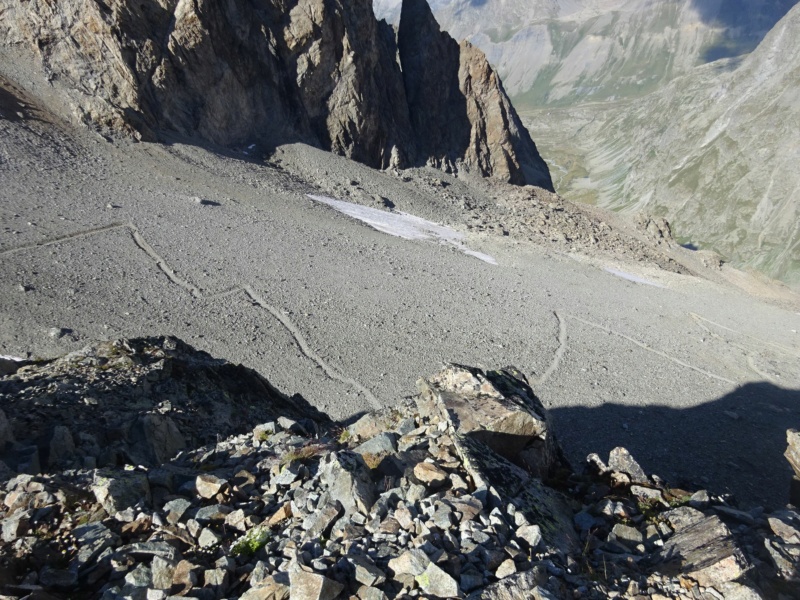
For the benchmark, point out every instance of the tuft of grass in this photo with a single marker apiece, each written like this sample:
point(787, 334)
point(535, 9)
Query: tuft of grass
point(303, 454)
point(345, 436)
point(252, 541)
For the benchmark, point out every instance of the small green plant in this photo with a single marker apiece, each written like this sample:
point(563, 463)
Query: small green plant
point(252, 541)
point(345, 436)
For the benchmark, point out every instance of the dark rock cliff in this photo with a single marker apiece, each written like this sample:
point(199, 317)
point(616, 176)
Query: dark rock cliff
point(236, 72)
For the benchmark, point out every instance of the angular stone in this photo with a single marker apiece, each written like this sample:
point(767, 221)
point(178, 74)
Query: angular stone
point(648, 493)
point(215, 513)
point(436, 582)
point(288, 474)
point(532, 534)
point(786, 525)
point(704, 551)
point(58, 579)
point(208, 486)
point(365, 571)
point(280, 515)
point(319, 522)
point(619, 459)
point(682, 517)
point(630, 536)
point(184, 578)
point(118, 490)
point(411, 562)
point(430, 474)
point(488, 469)
point(520, 586)
point(270, 589)
point(155, 438)
point(208, 538)
point(91, 539)
point(793, 450)
point(62, 447)
point(175, 509)
point(15, 525)
point(347, 480)
point(163, 571)
point(506, 568)
point(304, 584)
point(379, 446)
point(236, 520)
point(785, 557)
point(139, 577)
point(216, 580)
point(497, 408)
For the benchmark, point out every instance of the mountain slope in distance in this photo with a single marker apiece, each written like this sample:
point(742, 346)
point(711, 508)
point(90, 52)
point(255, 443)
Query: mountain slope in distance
point(715, 152)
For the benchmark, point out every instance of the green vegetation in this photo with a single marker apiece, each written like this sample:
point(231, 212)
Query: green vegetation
point(252, 541)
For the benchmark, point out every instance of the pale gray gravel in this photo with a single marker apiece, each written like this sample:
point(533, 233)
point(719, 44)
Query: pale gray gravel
point(108, 239)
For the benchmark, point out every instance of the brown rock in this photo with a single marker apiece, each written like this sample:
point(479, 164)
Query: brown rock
point(705, 552)
point(497, 408)
point(430, 473)
point(324, 72)
point(304, 584)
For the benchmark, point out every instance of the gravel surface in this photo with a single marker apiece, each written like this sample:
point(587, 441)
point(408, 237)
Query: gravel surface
point(103, 239)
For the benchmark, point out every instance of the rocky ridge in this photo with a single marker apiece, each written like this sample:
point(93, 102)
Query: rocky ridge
point(462, 492)
point(244, 73)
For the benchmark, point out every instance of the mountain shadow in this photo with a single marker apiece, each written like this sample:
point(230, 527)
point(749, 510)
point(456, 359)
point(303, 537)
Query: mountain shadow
point(734, 444)
point(744, 23)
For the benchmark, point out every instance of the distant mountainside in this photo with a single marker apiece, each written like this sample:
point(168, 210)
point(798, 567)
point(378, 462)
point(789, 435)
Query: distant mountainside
point(717, 152)
point(562, 52)
point(656, 107)
point(242, 72)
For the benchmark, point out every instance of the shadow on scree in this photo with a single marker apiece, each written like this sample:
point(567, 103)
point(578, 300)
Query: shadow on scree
point(734, 444)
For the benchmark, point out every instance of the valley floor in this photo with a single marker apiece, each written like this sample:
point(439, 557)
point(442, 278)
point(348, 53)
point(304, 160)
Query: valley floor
point(105, 239)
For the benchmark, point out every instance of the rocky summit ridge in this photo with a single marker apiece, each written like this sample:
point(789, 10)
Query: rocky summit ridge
point(268, 72)
point(460, 492)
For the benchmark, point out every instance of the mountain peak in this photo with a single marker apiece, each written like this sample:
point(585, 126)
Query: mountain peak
point(314, 71)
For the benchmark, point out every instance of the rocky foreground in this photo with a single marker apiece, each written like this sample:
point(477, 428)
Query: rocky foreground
point(461, 493)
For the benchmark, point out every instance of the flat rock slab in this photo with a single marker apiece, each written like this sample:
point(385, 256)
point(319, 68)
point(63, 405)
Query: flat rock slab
point(704, 551)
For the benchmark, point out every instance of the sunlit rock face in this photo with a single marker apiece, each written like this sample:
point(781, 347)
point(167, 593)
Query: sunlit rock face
point(274, 71)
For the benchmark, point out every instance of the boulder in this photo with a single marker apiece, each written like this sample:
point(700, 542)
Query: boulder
point(305, 584)
point(348, 481)
point(497, 408)
point(704, 551)
point(118, 490)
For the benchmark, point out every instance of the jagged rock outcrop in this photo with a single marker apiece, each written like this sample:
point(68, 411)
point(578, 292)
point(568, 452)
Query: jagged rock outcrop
point(403, 503)
point(324, 72)
point(137, 401)
point(459, 110)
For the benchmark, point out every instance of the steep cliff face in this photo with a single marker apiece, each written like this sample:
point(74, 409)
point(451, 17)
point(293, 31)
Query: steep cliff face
point(457, 105)
point(235, 72)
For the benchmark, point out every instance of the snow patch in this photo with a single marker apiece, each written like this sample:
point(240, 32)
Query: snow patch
point(631, 277)
point(403, 225)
